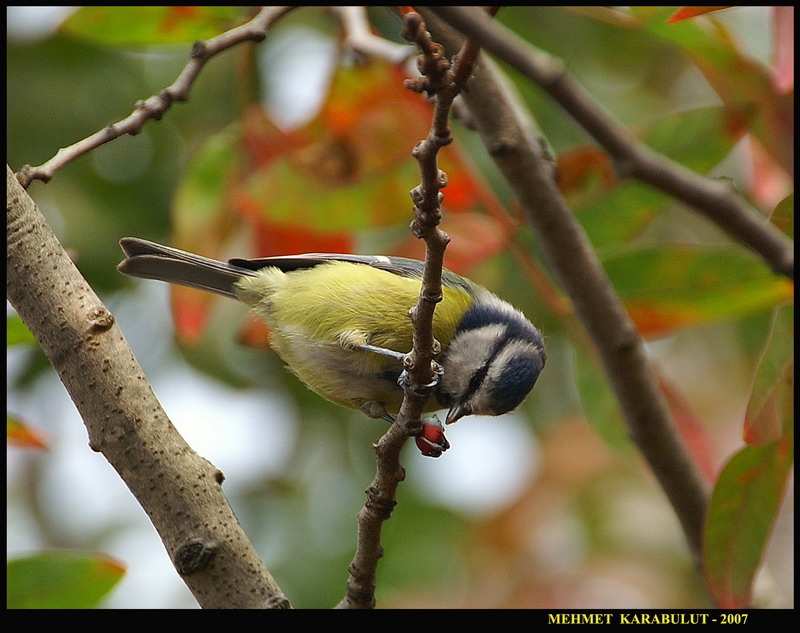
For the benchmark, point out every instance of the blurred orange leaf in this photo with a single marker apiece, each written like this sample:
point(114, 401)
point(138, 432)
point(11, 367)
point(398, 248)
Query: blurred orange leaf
point(351, 167)
point(684, 13)
point(21, 434)
point(579, 168)
point(475, 237)
point(667, 288)
point(347, 169)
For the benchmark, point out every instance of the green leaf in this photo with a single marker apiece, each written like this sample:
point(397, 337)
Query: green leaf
point(619, 214)
point(17, 333)
point(697, 139)
point(745, 86)
point(61, 580)
point(141, 26)
point(783, 215)
point(743, 507)
point(666, 288)
point(201, 202)
point(771, 407)
point(600, 405)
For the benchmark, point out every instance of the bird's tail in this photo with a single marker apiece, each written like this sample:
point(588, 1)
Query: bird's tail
point(154, 261)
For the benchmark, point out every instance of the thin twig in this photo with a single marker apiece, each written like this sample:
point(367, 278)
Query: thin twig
point(156, 105)
point(443, 84)
point(358, 37)
point(633, 158)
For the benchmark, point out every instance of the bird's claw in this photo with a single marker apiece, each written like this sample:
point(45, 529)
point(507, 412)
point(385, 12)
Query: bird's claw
point(404, 381)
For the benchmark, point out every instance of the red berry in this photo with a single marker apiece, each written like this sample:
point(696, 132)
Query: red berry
point(431, 441)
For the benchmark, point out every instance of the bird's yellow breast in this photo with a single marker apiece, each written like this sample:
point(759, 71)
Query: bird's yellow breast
point(309, 311)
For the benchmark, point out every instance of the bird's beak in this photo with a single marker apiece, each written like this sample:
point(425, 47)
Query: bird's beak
point(456, 412)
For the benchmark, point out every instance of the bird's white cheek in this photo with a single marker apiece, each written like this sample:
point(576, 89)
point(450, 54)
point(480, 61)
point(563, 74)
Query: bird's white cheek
point(467, 354)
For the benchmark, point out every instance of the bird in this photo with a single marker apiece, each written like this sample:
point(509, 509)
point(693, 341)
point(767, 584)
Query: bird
point(340, 323)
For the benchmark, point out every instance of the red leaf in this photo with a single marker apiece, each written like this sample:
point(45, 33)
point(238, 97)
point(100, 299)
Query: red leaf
point(475, 237)
point(684, 13)
point(190, 312)
point(578, 167)
point(277, 239)
point(690, 429)
point(784, 49)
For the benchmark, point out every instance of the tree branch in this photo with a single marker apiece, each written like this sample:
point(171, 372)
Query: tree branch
point(633, 158)
point(520, 159)
point(359, 38)
point(155, 106)
point(178, 489)
point(443, 84)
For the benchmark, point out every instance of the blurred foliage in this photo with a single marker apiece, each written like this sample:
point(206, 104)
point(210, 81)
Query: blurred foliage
point(60, 580)
point(219, 175)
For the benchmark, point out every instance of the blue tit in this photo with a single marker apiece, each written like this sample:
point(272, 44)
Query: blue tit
point(340, 322)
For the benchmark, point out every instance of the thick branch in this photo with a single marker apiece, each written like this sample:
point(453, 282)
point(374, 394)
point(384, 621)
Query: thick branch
point(179, 489)
point(519, 157)
point(633, 158)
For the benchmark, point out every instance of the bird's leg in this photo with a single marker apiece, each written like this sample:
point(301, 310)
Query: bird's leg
point(430, 440)
point(382, 351)
point(357, 340)
point(404, 380)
